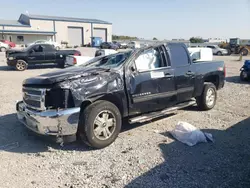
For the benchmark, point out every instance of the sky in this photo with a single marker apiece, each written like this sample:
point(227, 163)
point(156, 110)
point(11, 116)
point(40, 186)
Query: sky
point(163, 19)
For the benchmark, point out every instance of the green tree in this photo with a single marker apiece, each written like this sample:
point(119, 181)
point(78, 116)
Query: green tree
point(155, 38)
point(196, 40)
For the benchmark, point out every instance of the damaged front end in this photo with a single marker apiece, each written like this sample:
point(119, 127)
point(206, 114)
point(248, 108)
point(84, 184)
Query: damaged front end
point(52, 107)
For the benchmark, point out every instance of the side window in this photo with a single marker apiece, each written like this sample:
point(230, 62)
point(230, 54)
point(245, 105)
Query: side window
point(212, 47)
point(149, 60)
point(38, 48)
point(20, 38)
point(48, 47)
point(179, 55)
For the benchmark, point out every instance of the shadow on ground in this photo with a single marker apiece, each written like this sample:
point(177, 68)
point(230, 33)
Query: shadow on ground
point(225, 163)
point(15, 137)
point(236, 80)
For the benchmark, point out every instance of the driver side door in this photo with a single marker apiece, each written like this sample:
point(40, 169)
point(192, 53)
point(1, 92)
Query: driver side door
point(36, 55)
point(150, 85)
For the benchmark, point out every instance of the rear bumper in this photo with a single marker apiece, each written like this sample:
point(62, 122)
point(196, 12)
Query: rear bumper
point(50, 122)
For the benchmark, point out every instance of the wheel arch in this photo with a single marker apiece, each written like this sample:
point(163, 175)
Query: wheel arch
point(108, 97)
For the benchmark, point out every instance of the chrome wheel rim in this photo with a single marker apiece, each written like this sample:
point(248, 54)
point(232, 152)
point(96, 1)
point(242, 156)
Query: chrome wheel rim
point(104, 125)
point(20, 65)
point(210, 98)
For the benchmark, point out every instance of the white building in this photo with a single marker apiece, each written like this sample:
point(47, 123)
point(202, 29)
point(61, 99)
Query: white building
point(75, 31)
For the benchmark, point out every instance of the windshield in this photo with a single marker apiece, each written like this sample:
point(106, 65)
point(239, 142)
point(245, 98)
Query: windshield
point(110, 61)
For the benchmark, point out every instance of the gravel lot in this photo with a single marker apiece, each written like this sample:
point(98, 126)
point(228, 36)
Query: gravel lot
point(144, 155)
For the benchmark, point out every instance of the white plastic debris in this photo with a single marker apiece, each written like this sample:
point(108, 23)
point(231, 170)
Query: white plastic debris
point(190, 135)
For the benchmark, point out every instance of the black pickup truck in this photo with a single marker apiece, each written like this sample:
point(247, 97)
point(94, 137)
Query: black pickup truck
point(37, 54)
point(88, 102)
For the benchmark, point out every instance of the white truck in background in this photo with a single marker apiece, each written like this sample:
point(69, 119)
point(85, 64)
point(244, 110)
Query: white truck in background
point(72, 60)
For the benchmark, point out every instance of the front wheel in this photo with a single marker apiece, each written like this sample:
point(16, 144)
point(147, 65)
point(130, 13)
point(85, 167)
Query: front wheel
point(243, 76)
point(207, 100)
point(100, 124)
point(21, 65)
point(219, 53)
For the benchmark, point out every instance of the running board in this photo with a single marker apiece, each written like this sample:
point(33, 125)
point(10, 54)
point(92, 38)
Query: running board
point(153, 115)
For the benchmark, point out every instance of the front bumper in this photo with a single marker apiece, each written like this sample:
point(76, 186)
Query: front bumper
point(11, 62)
point(51, 122)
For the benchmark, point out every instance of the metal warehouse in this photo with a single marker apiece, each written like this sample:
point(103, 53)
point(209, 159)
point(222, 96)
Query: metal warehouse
point(74, 31)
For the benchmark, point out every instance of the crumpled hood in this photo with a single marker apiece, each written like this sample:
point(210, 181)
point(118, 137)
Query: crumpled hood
point(62, 75)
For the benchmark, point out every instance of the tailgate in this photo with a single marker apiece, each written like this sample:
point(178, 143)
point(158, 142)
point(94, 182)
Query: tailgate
point(69, 60)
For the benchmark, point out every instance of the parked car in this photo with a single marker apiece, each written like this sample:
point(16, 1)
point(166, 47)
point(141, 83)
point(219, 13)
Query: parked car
point(108, 45)
point(11, 44)
point(57, 46)
point(72, 60)
point(124, 45)
point(117, 44)
point(90, 101)
point(4, 47)
point(37, 54)
point(245, 71)
point(215, 48)
point(133, 44)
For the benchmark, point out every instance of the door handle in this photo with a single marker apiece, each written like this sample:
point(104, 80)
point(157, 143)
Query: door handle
point(190, 73)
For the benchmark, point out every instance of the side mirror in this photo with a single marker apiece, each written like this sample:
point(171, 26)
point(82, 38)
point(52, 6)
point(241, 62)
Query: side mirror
point(32, 51)
point(194, 59)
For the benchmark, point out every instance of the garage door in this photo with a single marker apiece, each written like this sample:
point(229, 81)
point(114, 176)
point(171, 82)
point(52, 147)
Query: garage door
point(75, 36)
point(98, 32)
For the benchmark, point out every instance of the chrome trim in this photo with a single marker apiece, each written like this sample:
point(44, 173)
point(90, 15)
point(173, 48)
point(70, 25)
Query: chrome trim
point(33, 97)
point(62, 122)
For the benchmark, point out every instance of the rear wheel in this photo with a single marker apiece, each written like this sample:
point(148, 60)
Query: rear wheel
point(207, 100)
point(100, 124)
point(61, 64)
point(21, 65)
point(244, 52)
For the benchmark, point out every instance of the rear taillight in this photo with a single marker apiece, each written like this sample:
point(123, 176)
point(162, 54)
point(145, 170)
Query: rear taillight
point(77, 54)
point(74, 61)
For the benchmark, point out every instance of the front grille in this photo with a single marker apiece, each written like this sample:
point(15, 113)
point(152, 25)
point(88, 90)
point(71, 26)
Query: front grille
point(34, 98)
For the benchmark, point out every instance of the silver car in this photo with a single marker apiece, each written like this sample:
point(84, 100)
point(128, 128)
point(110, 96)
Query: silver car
point(217, 50)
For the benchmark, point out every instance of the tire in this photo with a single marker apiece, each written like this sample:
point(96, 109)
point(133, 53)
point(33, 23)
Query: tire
point(244, 51)
point(229, 52)
point(219, 53)
point(3, 49)
point(203, 101)
point(88, 123)
point(21, 65)
point(243, 76)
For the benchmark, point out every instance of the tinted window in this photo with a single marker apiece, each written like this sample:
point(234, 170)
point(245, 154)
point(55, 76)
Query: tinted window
point(149, 60)
point(211, 47)
point(48, 47)
point(179, 55)
point(38, 48)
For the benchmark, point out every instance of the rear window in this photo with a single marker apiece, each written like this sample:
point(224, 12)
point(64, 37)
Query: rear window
point(179, 55)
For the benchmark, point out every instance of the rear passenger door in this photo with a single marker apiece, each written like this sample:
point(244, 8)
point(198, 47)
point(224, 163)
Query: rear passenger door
point(184, 74)
point(150, 84)
point(50, 53)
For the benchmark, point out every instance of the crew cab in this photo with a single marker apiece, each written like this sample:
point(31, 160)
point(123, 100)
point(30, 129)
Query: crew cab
point(89, 102)
point(37, 54)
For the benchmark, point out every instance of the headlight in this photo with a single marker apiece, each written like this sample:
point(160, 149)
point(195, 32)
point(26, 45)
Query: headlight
point(11, 58)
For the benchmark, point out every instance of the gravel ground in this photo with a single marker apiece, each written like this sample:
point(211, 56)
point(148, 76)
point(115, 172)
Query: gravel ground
point(144, 155)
